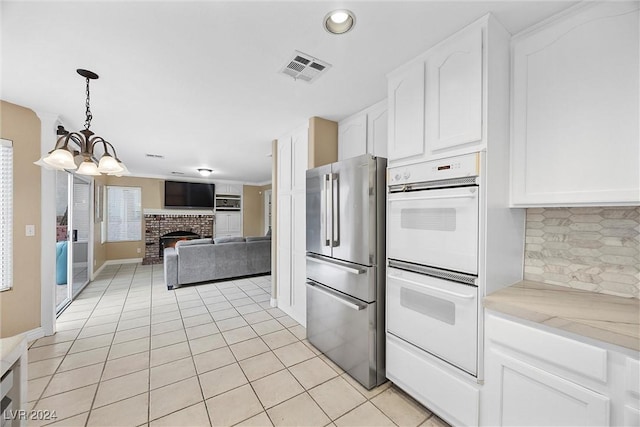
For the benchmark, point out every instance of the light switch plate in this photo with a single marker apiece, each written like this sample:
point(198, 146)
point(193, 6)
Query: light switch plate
point(30, 230)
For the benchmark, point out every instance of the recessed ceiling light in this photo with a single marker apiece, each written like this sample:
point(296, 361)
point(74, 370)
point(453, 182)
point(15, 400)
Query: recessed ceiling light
point(339, 21)
point(205, 172)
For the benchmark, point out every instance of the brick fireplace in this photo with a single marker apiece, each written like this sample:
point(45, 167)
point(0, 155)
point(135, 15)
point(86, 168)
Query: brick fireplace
point(162, 224)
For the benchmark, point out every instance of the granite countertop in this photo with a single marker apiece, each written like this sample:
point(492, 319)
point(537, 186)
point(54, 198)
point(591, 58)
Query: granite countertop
point(611, 319)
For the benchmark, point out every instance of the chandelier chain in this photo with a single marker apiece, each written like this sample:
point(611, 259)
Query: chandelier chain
point(87, 122)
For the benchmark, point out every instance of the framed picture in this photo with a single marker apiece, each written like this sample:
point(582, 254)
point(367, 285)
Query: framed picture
point(98, 202)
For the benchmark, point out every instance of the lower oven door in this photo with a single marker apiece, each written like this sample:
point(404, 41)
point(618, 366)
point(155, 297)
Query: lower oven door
point(436, 315)
point(343, 328)
point(438, 228)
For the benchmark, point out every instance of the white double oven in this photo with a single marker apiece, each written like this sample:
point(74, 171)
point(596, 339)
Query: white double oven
point(433, 237)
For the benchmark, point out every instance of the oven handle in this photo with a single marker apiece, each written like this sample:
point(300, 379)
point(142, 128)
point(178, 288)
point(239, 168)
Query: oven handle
point(453, 196)
point(422, 285)
point(335, 297)
point(334, 265)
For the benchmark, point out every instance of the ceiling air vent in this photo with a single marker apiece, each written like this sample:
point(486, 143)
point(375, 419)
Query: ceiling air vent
point(305, 67)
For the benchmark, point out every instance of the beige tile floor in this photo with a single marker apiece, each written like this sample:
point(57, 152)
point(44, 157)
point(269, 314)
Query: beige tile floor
point(128, 352)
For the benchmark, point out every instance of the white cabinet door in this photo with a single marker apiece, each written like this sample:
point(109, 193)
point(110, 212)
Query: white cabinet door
point(222, 224)
point(378, 130)
point(299, 265)
point(406, 113)
point(453, 114)
point(526, 395)
point(232, 189)
point(576, 98)
point(300, 159)
point(235, 223)
point(284, 164)
point(352, 137)
point(283, 263)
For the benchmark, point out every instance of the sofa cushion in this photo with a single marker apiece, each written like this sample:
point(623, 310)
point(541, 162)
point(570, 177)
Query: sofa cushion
point(193, 242)
point(258, 238)
point(219, 240)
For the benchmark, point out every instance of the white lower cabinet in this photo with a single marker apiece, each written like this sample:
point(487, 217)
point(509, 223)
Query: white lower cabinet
point(452, 398)
point(228, 224)
point(536, 377)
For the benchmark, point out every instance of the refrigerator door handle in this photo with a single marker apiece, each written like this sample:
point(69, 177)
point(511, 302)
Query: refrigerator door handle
point(351, 270)
point(328, 209)
point(323, 210)
point(335, 210)
point(335, 297)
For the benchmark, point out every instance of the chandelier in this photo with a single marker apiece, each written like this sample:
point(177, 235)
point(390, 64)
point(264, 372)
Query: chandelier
point(65, 155)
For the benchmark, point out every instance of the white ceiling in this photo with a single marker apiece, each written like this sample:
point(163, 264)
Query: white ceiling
point(198, 82)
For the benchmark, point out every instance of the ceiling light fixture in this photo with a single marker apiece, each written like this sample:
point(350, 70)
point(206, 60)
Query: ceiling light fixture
point(205, 172)
point(339, 21)
point(62, 155)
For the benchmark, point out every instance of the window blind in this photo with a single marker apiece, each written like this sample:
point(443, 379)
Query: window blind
point(6, 214)
point(124, 214)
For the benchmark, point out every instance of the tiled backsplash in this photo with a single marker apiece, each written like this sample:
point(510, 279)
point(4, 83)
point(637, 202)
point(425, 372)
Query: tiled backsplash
point(596, 249)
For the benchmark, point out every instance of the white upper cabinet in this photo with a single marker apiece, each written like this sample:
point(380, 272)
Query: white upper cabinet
point(378, 129)
point(352, 136)
point(229, 189)
point(449, 99)
point(364, 132)
point(576, 97)
point(406, 113)
point(453, 114)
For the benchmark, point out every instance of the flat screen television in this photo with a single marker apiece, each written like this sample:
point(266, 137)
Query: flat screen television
point(189, 195)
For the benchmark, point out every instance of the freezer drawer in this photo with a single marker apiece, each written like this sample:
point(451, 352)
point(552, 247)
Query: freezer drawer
point(436, 315)
point(344, 329)
point(352, 279)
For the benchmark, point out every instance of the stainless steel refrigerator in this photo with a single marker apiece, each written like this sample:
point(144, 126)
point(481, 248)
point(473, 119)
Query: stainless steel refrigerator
point(346, 265)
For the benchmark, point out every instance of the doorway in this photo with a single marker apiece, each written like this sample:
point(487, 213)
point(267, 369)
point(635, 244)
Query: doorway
point(73, 219)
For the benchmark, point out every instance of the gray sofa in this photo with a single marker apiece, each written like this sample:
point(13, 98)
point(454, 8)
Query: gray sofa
point(204, 260)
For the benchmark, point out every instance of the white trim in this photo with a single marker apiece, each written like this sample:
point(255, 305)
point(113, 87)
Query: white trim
point(34, 334)
point(273, 302)
point(48, 124)
point(176, 212)
point(122, 261)
point(98, 271)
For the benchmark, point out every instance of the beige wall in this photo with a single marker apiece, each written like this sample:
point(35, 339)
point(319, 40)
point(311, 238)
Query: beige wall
point(20, 306)
point(253, 210)
point(323, 142)
point(152, 198)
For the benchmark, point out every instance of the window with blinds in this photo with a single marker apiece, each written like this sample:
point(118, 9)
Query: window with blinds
point(124, 214)
point(6, 214)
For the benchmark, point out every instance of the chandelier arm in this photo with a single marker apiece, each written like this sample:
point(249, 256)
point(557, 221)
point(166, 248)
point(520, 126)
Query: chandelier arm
point(77, 138)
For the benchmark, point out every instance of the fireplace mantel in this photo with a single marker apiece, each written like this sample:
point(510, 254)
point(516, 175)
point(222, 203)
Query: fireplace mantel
point(178, 212)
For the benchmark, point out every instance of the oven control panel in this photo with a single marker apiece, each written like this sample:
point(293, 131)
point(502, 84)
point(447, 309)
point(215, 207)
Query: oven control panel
point(451, 167)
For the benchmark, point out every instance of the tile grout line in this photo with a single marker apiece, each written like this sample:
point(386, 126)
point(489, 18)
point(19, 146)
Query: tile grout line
point(37, 401)
point(93, 401)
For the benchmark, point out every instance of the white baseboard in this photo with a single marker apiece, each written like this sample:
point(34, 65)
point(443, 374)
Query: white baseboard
point(123, 261)
point(95, 273)
point(273, 302)
point(34, 334)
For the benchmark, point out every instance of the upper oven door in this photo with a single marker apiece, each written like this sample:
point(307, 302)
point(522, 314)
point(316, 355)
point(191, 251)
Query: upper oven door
point(438, 228)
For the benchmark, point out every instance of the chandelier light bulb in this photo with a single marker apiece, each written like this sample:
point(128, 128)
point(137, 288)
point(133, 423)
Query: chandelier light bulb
point(60, 159)
point(88, 168)
point(108, 164)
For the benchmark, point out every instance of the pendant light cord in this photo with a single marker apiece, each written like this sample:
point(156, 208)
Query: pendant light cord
point(87, 121)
